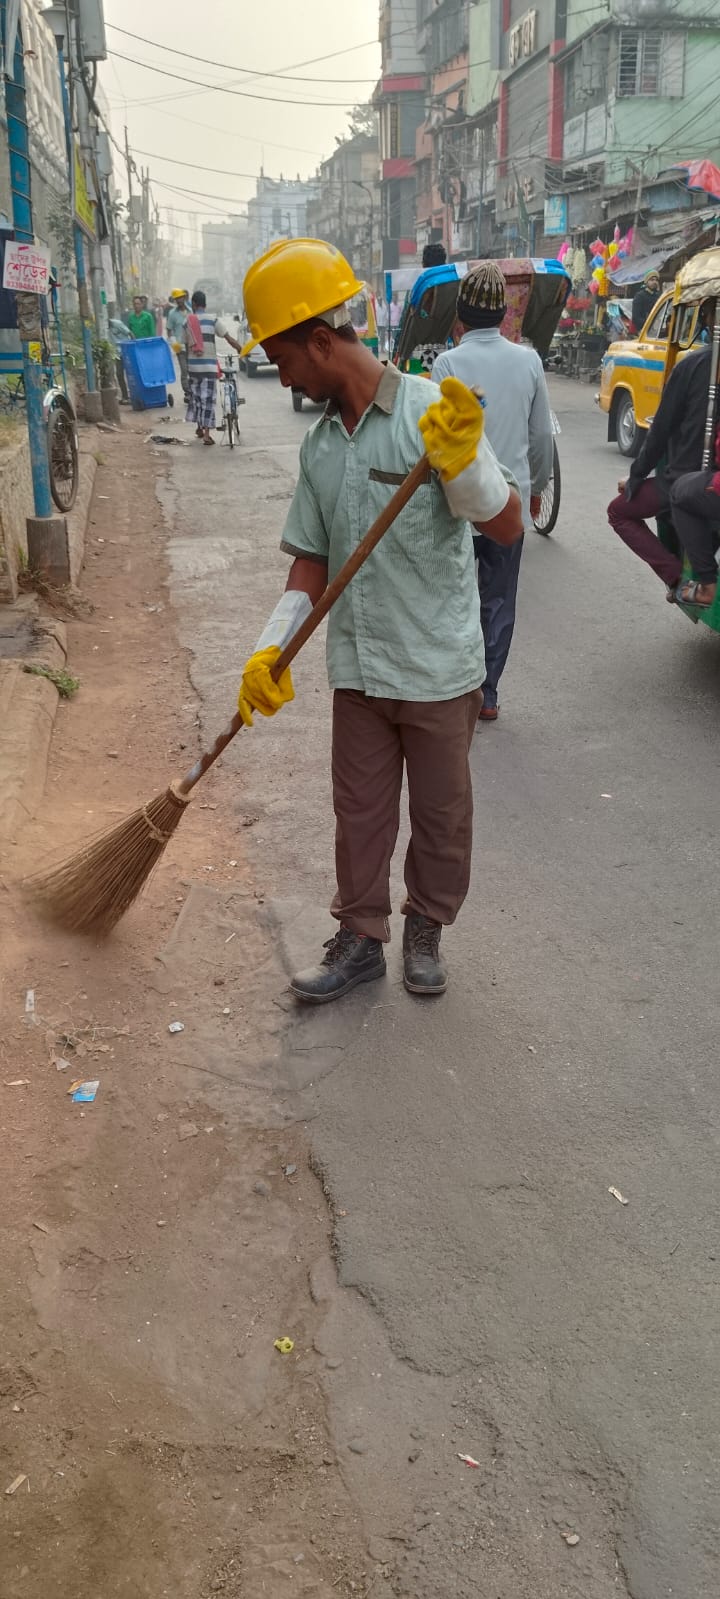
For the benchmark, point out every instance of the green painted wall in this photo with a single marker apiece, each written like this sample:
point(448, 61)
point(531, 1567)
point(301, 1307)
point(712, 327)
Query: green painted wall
point(482, 78)
point(683, 128)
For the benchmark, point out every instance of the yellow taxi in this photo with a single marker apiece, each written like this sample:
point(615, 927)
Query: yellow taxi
point(631, 378)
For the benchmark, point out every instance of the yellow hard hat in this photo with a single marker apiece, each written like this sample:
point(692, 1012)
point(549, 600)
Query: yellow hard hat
point(178, 294)
point(294, 280)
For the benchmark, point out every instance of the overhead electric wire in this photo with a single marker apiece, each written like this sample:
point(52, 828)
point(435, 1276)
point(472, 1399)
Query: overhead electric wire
point(245, 138)
point(227, 66)
point(238, 94)
point(222, 172)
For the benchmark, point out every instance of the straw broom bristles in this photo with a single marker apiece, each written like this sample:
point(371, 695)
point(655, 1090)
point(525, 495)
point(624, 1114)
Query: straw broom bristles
point(91, 891)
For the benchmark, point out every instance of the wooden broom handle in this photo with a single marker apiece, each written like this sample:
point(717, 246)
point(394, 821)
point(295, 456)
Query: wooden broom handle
point(419, 474)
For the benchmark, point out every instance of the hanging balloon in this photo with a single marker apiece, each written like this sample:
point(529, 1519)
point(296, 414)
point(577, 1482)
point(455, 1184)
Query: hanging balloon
point(597, 247)
point(616, 234)
point(593, 287)
point(613, 249)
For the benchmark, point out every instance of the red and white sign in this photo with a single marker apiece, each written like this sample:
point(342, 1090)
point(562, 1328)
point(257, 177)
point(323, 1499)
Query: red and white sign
point(27, 268)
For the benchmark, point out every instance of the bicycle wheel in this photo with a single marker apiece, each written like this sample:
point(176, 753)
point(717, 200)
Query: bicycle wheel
point(62, 459)
point(547, 516)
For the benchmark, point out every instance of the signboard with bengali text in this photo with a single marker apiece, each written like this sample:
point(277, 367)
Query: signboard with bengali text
point(27, 268)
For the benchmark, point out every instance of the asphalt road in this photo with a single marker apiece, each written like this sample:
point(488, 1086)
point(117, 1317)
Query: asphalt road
point(565, 1340)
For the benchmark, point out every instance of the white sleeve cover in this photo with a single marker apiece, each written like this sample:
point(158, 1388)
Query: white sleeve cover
point(289, 614)
point(481, 492)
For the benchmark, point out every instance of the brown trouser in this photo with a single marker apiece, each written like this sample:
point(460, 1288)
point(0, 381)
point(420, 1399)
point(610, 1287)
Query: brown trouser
point(372, 739)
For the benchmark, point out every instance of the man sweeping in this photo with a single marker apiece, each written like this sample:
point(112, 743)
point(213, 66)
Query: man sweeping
point(404, 644)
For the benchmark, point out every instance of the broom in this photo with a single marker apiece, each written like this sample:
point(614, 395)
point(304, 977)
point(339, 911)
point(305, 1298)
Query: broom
point(95, 887)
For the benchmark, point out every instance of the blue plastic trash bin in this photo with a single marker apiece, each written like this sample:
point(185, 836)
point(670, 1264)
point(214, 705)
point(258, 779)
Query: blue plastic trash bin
point(148, 365)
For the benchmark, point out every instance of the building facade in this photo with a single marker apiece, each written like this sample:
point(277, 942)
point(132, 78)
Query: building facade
point(543, 121)
point(278, 210)
point(46, 129)
point(225, 257)
point(400, 102)
point(441, 144)
point(346, 210)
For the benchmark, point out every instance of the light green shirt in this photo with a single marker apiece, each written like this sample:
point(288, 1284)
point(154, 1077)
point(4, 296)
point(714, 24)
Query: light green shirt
point(408, 625)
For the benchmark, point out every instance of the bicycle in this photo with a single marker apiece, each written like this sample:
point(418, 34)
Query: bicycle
point(59, 417)
point(58, 413)
point(230, 402)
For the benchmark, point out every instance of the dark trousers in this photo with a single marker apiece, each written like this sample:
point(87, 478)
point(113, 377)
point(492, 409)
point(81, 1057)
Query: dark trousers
point(373, 740)
point(627, 518)
point(181, 356)
point(498, 573)
point(695, 510)
point(121, 380)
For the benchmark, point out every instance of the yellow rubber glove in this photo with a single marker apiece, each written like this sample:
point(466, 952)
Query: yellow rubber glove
point(259, 691)
point(452, 428)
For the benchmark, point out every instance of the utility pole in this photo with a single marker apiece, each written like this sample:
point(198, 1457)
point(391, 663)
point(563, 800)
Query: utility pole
point(28, 305)
point(87, 145)
point(57, 17)
point(638, 197)
point(131, 227)
point(145, 230)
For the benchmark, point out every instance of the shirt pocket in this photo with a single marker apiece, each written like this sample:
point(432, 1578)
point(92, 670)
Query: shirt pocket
point(414, 532)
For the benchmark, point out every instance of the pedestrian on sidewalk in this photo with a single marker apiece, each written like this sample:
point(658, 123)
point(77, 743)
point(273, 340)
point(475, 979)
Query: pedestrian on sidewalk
point(201, 331)
point(141, 322)
point(673, 447)
point(645, 299)
point(519, 428)
point(404, 644)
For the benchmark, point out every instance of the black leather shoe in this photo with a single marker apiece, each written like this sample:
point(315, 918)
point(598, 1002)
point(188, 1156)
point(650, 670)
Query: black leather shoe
point(350, 960)
point(423, 970)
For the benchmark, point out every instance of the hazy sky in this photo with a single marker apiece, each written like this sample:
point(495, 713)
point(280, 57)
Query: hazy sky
point(166, 117)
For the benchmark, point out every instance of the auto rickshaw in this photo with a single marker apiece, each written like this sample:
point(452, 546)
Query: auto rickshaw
point(364, 320)
point(697, 282)
point(536, 293)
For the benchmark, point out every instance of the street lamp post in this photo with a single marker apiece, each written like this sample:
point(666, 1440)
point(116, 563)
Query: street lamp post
point(369, 193)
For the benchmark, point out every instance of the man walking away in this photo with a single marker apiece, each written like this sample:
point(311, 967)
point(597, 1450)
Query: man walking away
point(519, 428)
point(404, 646)
point(645, 299)
point(141, 322)
point(673, 447)
point(202, 329)
point(176, 325)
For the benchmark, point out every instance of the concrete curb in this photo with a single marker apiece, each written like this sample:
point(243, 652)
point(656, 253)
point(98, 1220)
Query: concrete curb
point(28, 704)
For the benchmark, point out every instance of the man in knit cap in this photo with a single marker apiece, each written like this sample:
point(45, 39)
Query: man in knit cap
point(519, 428)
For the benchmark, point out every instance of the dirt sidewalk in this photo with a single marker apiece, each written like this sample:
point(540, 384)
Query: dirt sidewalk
point(157, 1241)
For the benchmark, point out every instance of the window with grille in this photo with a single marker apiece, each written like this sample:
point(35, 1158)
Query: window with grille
point(650, 63)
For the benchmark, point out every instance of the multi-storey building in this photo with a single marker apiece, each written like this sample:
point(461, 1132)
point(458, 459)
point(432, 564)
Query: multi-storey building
point(46, 128)
point(278, 210)
point(346, 211)
point(225, 257)
point(400, 102)
point(542, 120)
